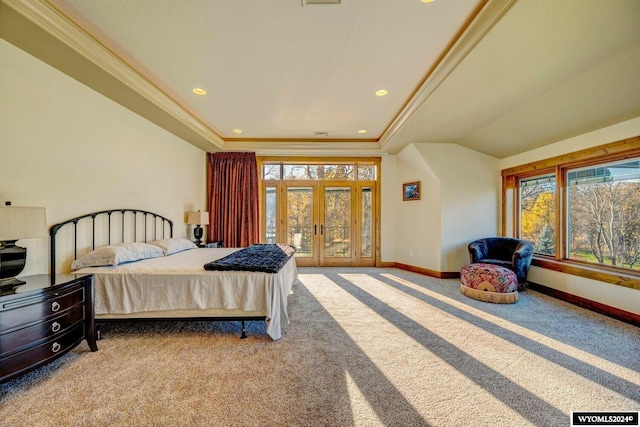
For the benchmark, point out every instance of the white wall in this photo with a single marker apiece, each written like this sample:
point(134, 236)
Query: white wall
point(460, 202)
point(624, 130)
point(470, 198)
point(387, 209)
point(616, 296)
point(73, 151)
point(417, 237)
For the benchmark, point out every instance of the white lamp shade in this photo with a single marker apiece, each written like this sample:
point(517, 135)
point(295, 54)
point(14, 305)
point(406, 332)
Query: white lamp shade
point(198, 218)
point(22, 223)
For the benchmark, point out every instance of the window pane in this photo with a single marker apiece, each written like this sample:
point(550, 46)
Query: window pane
point(337, 230)
point(271, 171)
point(604, 214)
point(300, 172)
point(270, 215)
point(367, 222)
point(537, 212)
point(343, 172)
point(367, 172)
point(300, 220)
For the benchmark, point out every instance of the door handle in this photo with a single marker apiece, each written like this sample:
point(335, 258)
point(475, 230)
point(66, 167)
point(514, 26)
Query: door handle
point(315, 229)
point(322, 229)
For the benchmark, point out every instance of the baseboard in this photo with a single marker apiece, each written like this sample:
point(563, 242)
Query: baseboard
point(426, 271)
point(607, 310)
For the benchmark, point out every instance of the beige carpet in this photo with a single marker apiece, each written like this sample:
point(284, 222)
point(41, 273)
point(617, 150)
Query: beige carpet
point(365, 347)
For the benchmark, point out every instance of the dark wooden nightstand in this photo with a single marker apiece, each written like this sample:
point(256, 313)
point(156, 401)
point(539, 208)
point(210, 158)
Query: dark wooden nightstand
point(44, 319)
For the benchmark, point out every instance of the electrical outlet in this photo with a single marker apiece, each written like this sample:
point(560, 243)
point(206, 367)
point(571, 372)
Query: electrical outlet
point(410, 253)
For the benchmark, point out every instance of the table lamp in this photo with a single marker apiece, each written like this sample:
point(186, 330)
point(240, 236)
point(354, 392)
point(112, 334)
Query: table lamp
point(17, 223)
point(197, 219)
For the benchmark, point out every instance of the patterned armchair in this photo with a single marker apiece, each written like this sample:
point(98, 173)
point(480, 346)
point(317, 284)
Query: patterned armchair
point(514, 254)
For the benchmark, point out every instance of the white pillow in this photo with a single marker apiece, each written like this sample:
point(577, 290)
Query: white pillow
point(117, 254)
point(174, 244)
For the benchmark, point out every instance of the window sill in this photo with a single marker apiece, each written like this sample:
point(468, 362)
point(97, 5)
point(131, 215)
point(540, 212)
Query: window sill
point(602, 274)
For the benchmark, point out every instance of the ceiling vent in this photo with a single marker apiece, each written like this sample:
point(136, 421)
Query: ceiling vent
point(312, 2)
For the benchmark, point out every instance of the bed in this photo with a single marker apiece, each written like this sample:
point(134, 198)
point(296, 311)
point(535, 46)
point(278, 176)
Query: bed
point(168, 280)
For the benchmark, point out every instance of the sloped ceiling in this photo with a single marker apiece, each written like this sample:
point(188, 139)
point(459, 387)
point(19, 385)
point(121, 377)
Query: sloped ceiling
point(498, 76)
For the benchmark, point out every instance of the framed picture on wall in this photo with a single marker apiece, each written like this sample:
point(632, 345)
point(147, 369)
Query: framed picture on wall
point(411, 191)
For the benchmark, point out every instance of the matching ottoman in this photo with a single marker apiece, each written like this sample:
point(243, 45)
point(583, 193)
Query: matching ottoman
point(488, 282)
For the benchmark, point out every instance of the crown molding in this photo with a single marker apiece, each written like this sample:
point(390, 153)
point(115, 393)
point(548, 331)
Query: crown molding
point(59, 26)
point(476, 28)
point(306, 147)
point(299, 140)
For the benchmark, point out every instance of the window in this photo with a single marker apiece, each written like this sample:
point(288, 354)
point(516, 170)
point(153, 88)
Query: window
point(305, 171)
point(604, 214)
point(367, 172)
point(341, 172)
point(319, 172)
point(270, 214)
point(581, 211)
point(271, 171)
point(538, 212)
point(325, 207)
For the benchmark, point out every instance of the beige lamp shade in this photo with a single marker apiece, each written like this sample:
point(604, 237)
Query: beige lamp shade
point(22, 223)
point(198, 218)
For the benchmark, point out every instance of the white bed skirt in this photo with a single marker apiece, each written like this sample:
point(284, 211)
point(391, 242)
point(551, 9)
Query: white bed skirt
point(178, 286)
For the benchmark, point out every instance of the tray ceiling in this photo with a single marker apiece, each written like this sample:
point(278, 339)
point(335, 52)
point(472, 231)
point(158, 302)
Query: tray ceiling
point(499, 76)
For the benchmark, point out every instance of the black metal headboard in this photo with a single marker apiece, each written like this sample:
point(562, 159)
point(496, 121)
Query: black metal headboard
point(127, 221)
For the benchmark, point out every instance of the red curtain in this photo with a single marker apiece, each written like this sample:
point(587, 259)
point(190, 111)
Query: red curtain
point(233, 199)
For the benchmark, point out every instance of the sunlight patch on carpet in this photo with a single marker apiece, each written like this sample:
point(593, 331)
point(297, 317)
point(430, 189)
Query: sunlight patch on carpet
point(382, 340)
point(363, 413)
point(490, 352)
point(615, 369)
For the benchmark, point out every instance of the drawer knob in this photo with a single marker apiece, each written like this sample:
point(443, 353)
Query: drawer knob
point(56, 347)
point(55, 326)
point(55, 306)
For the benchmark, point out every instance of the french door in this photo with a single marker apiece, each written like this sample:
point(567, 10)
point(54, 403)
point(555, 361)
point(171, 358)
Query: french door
point(328, 223)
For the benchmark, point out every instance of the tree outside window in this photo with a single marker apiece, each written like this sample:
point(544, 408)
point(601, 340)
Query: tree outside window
point(604, 214)
point(581, 210)
point(538, 213)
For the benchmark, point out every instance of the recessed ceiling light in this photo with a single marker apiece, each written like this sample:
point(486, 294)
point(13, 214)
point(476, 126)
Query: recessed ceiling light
point(237, 131)
point(362, 131)
point(199, 91)
point(426, 1)
point(310, 2)
point(381, 92)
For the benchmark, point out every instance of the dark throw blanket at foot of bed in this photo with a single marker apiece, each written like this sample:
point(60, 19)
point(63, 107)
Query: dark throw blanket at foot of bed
point(266, 258)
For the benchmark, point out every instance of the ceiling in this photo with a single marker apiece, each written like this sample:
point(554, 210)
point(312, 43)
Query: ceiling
point(497, 76)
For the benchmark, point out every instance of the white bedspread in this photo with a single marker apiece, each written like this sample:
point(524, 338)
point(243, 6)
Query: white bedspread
point(179, 282)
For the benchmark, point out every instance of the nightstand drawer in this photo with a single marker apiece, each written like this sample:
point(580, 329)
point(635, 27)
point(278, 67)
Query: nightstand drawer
point(41, 354)
point(18, 338)
point(23, 312)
